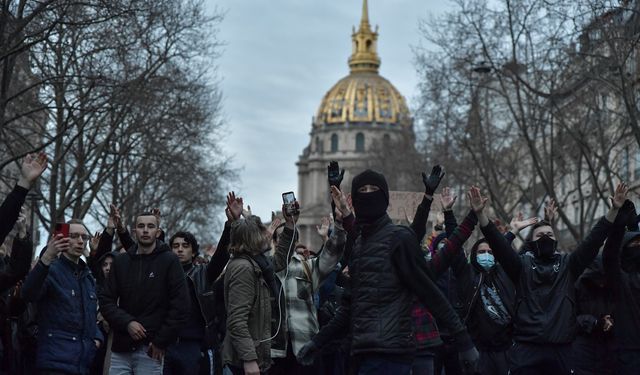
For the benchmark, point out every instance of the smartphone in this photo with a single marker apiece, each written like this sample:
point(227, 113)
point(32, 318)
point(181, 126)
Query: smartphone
point(62, 228)
point(289, 200)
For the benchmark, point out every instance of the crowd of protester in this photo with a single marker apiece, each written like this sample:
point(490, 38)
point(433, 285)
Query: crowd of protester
point(376, 298)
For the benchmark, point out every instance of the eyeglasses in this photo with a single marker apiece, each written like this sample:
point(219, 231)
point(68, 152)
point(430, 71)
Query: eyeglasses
point(75, 236)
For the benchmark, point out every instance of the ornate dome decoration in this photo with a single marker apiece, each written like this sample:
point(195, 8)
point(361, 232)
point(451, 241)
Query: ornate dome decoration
point(363, 95)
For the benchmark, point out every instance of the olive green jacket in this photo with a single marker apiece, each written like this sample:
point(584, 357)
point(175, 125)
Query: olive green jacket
point(247, 300)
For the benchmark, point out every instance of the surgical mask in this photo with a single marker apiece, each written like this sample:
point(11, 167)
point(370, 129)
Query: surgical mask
point(486, 260)
point(544, 247)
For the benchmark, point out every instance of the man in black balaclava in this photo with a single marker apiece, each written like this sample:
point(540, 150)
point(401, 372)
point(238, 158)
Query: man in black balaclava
point(387, 269)
point(621, 259)
point(545, 317)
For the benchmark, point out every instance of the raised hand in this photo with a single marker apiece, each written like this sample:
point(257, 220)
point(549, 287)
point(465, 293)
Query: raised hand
point(32, 167)
point(275, 223)
point(247, 213)
point(21, 223)
point(235, 205)
point(447, 199)
point(620, 195)
point(335, 179)
point(341, 203)
point(323, 228)
point(550, 210)
point(432, 181)
point(93, 243)
point(476, 200)
point(518, 222)
point(56, 245)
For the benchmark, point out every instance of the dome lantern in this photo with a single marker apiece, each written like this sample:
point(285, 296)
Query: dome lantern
point(364, 56)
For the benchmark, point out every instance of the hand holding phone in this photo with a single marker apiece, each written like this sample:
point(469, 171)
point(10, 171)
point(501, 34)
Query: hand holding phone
point(291, 206)
point(63, 229)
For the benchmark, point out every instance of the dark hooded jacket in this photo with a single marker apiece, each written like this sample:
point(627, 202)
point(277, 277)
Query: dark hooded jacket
point(594, 300)
point(545, 310)
point(488, 297)
point(622, 268)
point(149, 289)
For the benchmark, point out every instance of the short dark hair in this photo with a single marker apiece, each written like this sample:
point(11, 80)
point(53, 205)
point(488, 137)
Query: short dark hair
point(539, 224)
point(188, 238)
point(146, 213)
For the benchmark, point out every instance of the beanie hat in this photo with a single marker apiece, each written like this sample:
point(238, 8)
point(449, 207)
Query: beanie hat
point(370, 177)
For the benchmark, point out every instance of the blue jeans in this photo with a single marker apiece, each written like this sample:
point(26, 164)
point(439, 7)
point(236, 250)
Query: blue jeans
point(375, 366)
point(135, 363)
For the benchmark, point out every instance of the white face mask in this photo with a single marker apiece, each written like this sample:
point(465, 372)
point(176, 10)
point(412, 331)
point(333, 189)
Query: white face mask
point(486, 260)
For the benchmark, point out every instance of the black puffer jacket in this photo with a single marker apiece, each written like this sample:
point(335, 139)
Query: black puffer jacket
point(473, 283)
point(147, 288)
point(380, 303)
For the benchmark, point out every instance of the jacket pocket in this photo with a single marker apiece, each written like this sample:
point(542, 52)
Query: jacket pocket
point(62, 348)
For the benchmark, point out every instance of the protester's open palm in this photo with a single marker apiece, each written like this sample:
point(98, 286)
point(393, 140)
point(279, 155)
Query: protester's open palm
point(620, 195)
point(476, 200)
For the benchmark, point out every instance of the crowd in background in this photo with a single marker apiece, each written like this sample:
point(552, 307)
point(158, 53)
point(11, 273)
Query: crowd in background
point(375, 298)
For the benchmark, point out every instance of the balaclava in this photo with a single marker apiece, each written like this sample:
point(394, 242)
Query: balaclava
point(369, 206)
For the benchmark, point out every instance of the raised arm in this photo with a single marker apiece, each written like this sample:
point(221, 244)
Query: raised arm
point(517, 224)
point(431, 182)
point(334, 247)
point(587, 250)
point(35, 285)
point(502, 251)
point(32, 167)
point(452, 249)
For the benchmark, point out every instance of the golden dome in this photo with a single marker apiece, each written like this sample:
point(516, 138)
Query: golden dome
point(363, 95)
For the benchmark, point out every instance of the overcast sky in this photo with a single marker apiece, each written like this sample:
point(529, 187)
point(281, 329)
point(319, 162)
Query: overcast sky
point(280, 58)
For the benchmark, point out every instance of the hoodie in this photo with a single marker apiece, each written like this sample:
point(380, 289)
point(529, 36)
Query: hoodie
point(488, 297)
point(623, 274)
point(149, 289)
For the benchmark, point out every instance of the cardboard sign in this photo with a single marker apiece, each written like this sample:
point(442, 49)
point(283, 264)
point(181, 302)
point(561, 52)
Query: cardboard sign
point(403, 204)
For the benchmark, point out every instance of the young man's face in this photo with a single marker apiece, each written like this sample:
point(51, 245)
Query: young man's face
point(182, 249)
point(147, 230)
point(542, 231)
point(106, 266)
point(78, 238)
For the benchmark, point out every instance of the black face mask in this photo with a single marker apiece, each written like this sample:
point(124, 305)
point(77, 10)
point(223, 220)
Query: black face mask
point(544, 247)
point(370, 206)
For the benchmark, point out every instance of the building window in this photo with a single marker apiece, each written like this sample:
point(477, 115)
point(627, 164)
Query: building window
point(334, 143)
point(318, 144)
point(359, 142)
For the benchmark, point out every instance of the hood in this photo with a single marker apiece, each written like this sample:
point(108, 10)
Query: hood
point(104, 256)
point(434, 243)
point(594, 274)
point(473, 256)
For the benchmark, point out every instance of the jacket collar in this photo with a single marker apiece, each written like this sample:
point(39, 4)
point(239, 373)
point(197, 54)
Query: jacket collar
point(370, 228)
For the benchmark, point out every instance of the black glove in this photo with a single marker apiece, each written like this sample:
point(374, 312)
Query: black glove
point(307, 354)
point(469, 360)
point(335, 174)
point(432, 181)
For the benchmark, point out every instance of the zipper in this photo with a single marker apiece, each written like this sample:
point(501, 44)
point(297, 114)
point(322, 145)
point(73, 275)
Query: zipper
point(473, 298)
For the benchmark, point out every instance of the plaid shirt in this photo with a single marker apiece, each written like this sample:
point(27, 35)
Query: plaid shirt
point(299, 322)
